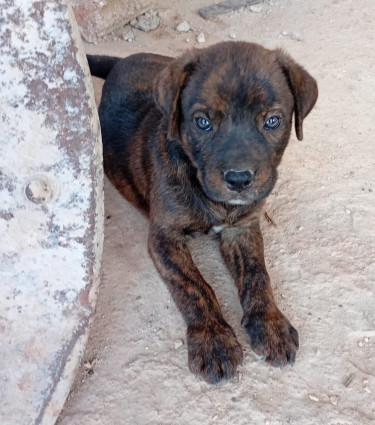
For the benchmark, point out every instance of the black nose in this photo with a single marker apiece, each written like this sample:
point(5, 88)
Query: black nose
point(238, 180)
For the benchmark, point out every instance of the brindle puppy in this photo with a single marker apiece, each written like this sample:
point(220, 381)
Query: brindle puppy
point(194, 142)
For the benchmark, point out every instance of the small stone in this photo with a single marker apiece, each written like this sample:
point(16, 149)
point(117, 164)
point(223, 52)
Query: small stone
point(284, 33)
point(367, 389)
point(146, 22)
point(297, 36)
point(129, 36)
point(178, 343)
point(201, 38)
point(334, 399)
point(256, 8)
point(88, 365)
point(360, 344)
point(313, 397)
point(183, 27)
point(318, 352)
point(367, 339)
point(233, 36)
point(348, 212)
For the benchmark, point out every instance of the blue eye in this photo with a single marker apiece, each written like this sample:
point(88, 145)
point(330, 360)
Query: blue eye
point(203, 124)
point(272, 123)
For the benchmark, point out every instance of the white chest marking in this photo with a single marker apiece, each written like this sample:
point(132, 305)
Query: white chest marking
point(218, 229)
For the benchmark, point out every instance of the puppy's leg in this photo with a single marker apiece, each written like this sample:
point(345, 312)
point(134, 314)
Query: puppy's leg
point(213, 349)
point(271, 334)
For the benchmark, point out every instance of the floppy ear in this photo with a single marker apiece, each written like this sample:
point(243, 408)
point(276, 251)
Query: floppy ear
point(303, 86)
point(168, 86)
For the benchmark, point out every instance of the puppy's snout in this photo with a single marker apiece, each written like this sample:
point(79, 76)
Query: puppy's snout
point(238, 180)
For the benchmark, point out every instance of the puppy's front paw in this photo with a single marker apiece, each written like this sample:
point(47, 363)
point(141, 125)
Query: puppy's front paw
point(214, 352)
point(272, 336)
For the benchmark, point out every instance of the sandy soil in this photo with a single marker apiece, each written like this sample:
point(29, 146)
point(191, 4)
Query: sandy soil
point(321, 254)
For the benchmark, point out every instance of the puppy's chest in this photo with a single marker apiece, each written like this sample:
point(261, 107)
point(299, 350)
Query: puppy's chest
point(217, 217)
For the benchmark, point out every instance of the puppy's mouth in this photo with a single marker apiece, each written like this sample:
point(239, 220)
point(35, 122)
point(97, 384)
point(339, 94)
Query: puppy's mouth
point(235, 199)
point(217, 189)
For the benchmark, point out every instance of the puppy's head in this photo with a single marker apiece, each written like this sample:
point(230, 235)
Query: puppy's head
point(230, 107)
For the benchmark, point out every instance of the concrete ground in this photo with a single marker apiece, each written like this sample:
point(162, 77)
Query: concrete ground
point(320, 254)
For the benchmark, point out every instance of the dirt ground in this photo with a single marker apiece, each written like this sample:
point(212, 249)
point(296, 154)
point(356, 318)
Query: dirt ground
point(320, 254)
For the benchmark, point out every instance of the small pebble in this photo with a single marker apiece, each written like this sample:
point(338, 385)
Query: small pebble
point(347, 212)
point(201, 38)
point(129, 36)
point(256, 8)
point(284, 33)
point(313, 397)
point(147, 22)
point(360, 344)
point(178, 343)
point(297, 36)
point(333, 399)
point(233, 36)
point(88, 365)
point(183, 27)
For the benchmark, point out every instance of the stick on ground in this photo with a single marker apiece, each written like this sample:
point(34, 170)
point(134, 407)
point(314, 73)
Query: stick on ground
point(225, 7)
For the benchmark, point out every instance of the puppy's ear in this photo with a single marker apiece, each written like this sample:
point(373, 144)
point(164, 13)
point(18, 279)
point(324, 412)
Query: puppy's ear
point(303, 86)
point(168, 87)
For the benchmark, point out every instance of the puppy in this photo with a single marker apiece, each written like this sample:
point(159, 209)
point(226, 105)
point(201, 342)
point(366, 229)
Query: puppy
point(195, 143)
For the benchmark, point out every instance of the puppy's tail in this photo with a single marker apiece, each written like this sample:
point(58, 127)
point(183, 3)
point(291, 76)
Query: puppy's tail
point(101, 66)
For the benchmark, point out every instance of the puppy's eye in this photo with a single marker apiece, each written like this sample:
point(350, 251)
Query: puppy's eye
point(272, 123)
point(203, 124)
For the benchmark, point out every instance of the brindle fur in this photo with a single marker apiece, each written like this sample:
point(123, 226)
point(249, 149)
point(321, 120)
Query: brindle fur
point(159, 159)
